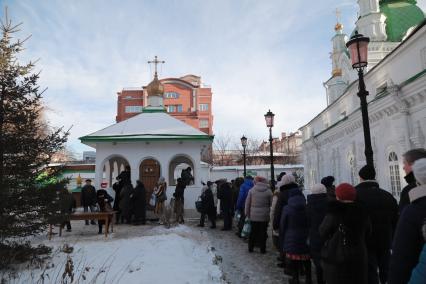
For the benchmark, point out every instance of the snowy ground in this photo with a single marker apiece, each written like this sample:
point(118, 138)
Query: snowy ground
point(133, 254)
point(154, 254)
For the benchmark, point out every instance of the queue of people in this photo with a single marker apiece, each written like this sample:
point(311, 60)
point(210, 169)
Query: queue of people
point(350, 233)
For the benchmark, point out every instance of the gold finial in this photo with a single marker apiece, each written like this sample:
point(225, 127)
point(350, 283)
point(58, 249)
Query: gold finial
point(338, 26)
point(79, 180)
point(155, 88)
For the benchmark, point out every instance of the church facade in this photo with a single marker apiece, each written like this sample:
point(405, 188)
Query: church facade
point(333, 142)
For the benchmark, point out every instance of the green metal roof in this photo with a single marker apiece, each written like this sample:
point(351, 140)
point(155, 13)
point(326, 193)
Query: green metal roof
point(400, 17)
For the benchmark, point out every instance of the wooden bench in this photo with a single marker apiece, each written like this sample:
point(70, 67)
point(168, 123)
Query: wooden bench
point(100, 216)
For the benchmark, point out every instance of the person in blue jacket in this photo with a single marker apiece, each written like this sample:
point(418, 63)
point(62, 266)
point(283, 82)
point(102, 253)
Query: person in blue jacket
point(241, 201)
point(418, 275)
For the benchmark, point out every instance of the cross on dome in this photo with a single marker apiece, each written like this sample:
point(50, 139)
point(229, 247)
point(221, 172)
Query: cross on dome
point(156, 62)
point(338, 26)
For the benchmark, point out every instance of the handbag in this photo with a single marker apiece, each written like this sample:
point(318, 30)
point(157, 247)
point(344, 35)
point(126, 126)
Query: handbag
point(199, 205)
point(152, 200)
point(246, 228)
point(237, 216)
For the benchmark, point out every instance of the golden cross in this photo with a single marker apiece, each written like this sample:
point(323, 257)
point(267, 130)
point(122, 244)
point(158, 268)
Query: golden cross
point(156, 62)
point(338, 14)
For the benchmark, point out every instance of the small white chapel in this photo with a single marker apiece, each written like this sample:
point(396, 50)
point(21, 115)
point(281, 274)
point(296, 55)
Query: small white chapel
point(154, 144)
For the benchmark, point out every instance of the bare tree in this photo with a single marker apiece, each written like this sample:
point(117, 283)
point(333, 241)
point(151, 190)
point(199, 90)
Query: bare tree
point(221, 150)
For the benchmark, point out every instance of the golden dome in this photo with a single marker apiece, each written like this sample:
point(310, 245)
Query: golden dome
point(155, 88)
point(338, 27)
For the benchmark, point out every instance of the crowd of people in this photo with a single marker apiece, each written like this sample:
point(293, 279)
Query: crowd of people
point(350, 233)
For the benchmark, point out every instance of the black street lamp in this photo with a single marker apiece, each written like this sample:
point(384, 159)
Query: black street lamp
point(269, 118)
point(244, 144)
point(358, 50)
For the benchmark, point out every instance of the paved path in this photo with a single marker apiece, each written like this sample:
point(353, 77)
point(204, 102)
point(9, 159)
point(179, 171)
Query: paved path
point(240, 266)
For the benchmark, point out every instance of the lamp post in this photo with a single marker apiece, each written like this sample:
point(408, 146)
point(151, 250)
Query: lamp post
point(244, 144)
point(358, 50)
point(269, 118)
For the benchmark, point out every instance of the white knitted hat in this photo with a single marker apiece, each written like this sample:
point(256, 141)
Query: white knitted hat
point(419, 170)
point(318, 188)
point(287, 179)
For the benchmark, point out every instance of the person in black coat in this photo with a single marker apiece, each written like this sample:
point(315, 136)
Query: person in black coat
point(88, 198)
point(224, 193)
point(209, 209)
point(408, 241)
point(104, 201)
point(294, 232)
point(382, 210)
point(179, 200)
point(117, 189)
point(316, 210)
point(288, 182)
point(344, 229)
point(408, 160)
point(67, 205)
point(138, 203)
point(328, 182)
point(124, 177)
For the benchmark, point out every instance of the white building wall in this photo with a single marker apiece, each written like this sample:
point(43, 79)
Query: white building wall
point(163, 152)
point(397, 119)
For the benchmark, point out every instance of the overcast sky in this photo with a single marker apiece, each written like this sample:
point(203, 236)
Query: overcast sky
point(256, 55)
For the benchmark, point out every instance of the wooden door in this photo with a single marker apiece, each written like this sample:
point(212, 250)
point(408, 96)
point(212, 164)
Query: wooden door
point(149, 173)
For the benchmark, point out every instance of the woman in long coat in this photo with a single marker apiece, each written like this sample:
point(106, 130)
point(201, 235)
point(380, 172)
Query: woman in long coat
point(138, 201)
point(160, 199)
point(344, 229)
point(179, 200)
point(125, 193)
point(257, 207)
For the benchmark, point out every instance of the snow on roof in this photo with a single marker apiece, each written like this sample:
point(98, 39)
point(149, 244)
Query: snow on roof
point(153, 124)
point(258, 167)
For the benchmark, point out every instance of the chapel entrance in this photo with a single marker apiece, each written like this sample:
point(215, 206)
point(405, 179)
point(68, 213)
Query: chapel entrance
point(149, 173)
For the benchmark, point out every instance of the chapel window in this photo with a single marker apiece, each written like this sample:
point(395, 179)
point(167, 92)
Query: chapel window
point(394, 174)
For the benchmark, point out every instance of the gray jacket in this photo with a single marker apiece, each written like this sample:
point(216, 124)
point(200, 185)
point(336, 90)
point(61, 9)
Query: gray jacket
point(258, 202)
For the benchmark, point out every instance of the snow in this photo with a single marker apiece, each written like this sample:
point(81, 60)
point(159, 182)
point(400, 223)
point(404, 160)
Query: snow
point(134, 254)
point(157, 123)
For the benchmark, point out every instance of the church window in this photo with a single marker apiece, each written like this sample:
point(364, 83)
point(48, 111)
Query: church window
point(177, 165)
point(394, 174)
point(133, 109)
point(203, 107)
point(171, 95)
point(204, 123)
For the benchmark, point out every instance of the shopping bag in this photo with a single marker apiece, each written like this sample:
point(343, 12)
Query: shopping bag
point(237, 216)
point(246, 229)
point(152, 200)
point(199, 205)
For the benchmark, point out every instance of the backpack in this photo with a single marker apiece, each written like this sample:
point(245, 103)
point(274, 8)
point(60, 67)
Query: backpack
point(338, 249)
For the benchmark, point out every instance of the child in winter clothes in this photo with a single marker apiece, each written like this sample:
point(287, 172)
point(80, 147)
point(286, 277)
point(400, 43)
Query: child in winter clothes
point(294, 233)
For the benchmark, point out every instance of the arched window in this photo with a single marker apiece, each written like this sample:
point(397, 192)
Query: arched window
point(394, 174)
point(177, 165)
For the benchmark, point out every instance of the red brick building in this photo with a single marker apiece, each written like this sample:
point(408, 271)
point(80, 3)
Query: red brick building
point(185, 98)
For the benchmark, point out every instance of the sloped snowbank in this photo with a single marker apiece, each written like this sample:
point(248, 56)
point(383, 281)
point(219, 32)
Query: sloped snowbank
point(176, 255)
